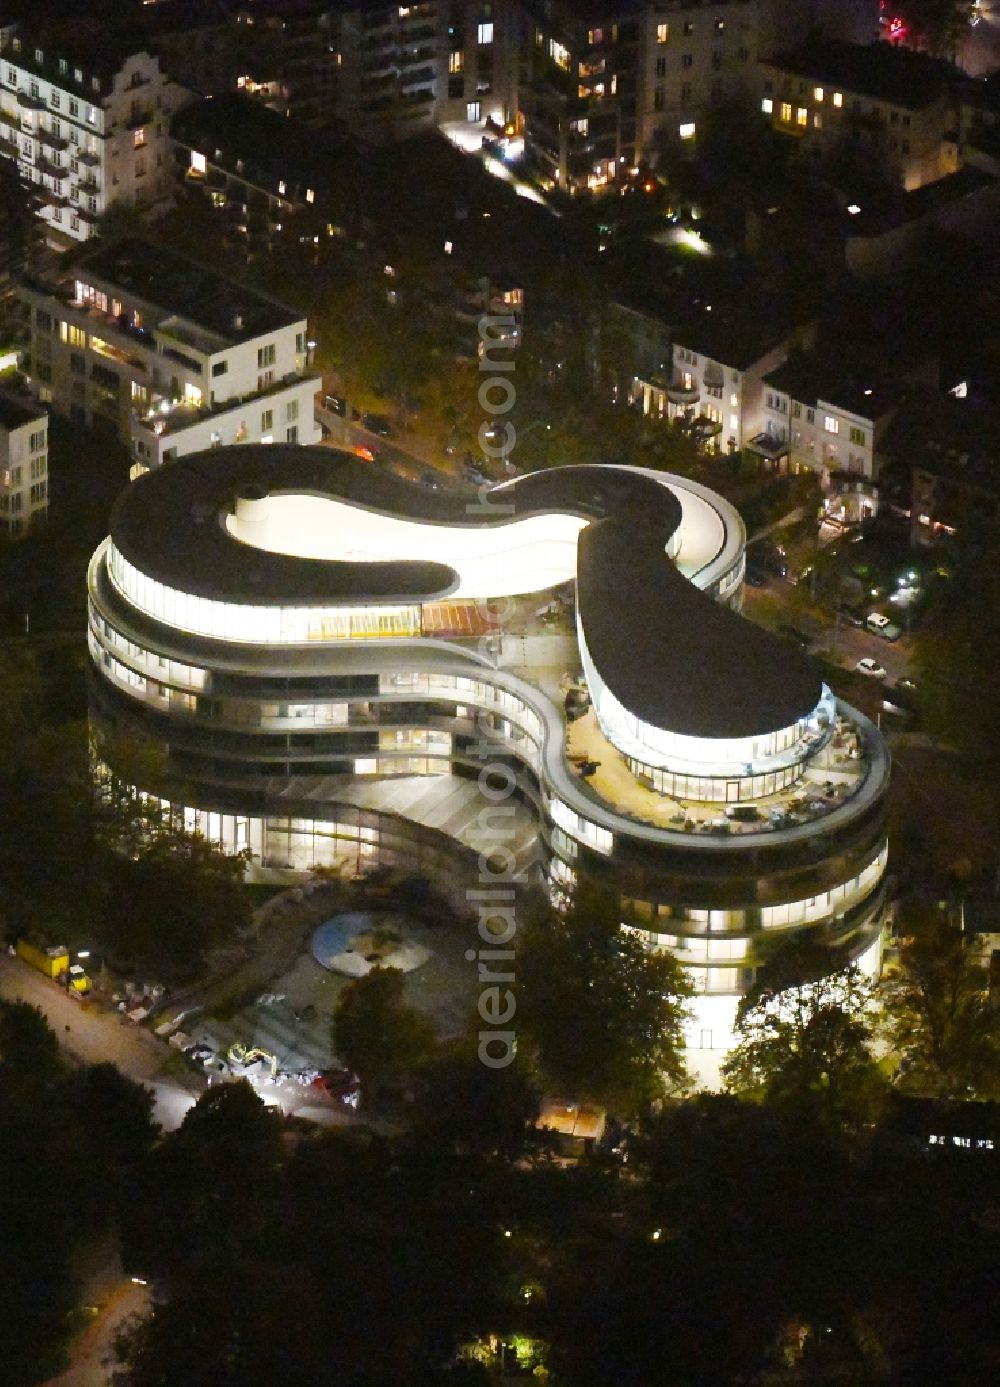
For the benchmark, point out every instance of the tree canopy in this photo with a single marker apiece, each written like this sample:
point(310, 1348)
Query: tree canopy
point(938, 1011)
point(604, 1014)
point(806, 1047)
point(377, 1035)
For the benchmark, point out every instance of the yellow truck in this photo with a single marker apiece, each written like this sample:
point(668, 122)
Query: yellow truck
point(54, 963)
point(51, 961)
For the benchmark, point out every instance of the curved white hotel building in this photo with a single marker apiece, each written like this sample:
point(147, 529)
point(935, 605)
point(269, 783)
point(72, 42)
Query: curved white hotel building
point(307, 638)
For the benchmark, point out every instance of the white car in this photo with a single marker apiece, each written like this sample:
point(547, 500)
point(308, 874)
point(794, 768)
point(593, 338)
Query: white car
point(870, 667)
point(877, 622)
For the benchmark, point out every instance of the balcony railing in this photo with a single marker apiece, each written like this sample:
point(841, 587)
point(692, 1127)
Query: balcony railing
point(164, 416)
point(29, 102)
point(56, 142)
point(681, 393)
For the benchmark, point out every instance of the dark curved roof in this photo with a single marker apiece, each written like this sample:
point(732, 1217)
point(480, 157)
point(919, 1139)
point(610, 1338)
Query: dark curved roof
point(668, 652)
point(671, 654)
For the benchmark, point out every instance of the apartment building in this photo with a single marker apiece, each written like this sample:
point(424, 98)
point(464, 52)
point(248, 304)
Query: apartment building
point(267, 175)
point(719, 360)
point(171, 356)
point(24, 464)
point(693, 55)
point(884, 106)
point(87, 124)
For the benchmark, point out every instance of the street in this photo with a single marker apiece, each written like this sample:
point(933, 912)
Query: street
point(94, 1036)
point(91, 1036)
point(774, 605)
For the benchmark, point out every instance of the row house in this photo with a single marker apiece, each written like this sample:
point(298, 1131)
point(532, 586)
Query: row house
point(170, 356)
point(87, 128)
point(24, 465)
point(882, 105)
point(715, 390)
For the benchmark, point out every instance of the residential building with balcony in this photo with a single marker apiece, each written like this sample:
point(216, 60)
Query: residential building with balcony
point(268, 176)
point(172, 357)
point(828, 415)
point(24, 465)
point(346, 669)
point(719, 359)
point(87, 124)
point(878, 105)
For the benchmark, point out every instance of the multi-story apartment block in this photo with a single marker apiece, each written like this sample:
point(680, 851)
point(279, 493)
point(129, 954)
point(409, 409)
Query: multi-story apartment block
point(172, 356)
point(24, 464)
point(693, 55)
point(266, 174)
point(823, 420)
point(87, 124)
point(888, 107)
point(716, 390)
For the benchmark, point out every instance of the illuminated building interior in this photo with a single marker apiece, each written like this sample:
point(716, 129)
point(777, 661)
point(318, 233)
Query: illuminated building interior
point(297, 630)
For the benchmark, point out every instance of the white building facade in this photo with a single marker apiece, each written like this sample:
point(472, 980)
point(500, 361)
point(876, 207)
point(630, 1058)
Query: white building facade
point(173, 357)
point(89, 135)
point(24, 465)
point(721, 404)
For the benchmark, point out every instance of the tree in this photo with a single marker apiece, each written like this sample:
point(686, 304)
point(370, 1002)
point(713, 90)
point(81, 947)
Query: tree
point(804, 1040)
point(376, 1034)
point(604, 1014)
point(176, 898)
point(29, 1051)
point(957, 648)
point(467, 1107)
point(937, 1009)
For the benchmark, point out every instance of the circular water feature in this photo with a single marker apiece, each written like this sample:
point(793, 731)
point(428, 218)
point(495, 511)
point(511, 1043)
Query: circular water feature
point(356, 941)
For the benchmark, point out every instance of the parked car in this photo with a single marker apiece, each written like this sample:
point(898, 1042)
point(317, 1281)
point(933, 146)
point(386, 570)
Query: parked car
point(870, 667)
point(756, 576)
point(336, 405)
point(377, 424)
point(475, 474)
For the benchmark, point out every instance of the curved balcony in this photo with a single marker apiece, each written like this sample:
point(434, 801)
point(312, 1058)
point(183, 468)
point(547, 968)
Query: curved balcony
point(680, 394)
point(30, 103)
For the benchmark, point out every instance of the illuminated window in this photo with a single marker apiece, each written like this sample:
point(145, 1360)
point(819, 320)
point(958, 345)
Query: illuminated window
point(830, 424)
point(818, 93)
point(484, 33)
point(801, 116)
point(456, 61)
point(197, 162)
point(838, 99)
point(817, 120)
point(687, 130)
point(767, 105)
point(559, 54)
point(663, 33)
point(786, 112)
point(310, 195)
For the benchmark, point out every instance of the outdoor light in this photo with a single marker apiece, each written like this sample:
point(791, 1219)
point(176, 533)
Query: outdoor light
point(83, 953)
point(853, 208)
